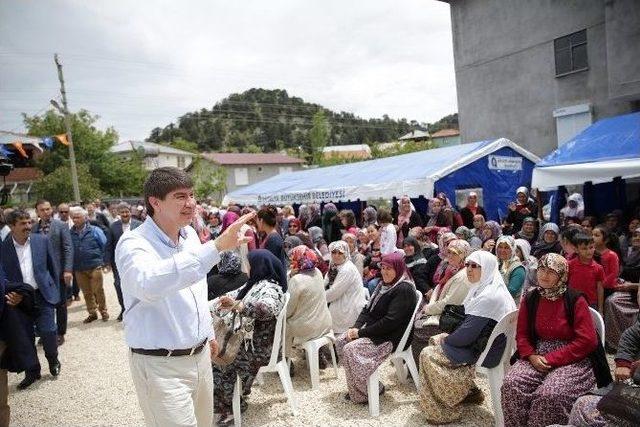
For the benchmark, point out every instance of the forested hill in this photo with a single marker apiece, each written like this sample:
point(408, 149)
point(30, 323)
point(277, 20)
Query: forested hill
point(270, 120)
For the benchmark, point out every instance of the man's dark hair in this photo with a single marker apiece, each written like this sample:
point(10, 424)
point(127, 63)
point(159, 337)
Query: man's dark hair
point(40, 202)
point(17, 215)
point(162, 181)
point(268, 215)
point(582, 239)
point(571, 232)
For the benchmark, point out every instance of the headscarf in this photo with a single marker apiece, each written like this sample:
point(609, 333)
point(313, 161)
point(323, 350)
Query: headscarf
point(523, 190)
point(370, 216)
point(478, 230)
point(230, 263)
point(507, 267)
point(306, 239)
point(302, 259)
point(316, 234)
point(464, 232)
point(559, 264)
point(291, 242)
point(330, 207)
point(550, 226)
point(314, 213)
point(395, 260)
point(330, 211)
point(463, 249)
point(416, 247)
point(525, 235)
point(578, 211)
point(303, 215)
point(296, 222)
point(443, 242)
point(529, 261)
point(342, 247)
point(229, 218)
point(264, 266)
point(496, 230)
point(489, 297)
point(404, 216)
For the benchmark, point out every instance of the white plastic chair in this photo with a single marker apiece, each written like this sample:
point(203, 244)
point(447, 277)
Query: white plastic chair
point(397, 358)
point(312, 349)
point(274, 365)
point(598, 323)
point(495, 375)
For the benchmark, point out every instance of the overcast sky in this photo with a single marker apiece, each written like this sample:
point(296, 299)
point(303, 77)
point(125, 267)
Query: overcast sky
point(141, 64)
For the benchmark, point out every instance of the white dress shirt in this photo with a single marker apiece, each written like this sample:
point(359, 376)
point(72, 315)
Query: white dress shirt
point(126, 227)
point(26, 262)
point(164, 287)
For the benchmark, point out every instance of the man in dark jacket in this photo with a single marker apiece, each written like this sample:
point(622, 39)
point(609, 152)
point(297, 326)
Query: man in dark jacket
point(116, 230)
point(58, 233)
point(89, 248)
point(29, 259)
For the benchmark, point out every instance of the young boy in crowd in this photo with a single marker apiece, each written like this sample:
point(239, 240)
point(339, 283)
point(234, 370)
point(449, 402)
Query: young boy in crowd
point(585, 274)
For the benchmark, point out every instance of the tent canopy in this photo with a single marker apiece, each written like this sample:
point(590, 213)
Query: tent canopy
point(607, 149)
point(413, 174)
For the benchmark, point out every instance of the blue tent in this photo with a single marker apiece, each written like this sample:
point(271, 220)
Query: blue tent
point(607, 149)
point(497, 166)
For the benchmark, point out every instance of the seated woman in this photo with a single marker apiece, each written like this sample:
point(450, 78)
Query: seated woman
point(528, 231)
point(343, 287)
point(416, 264)
point(308, 316)
point(519, 209)
point(379, 327)
point(464, 233)
point(530, 263)
point(548, 241)
point(260, 302)
point(453, 290)
point(356, 257)
point(478, 225)
point(631, 259)
point(229, 277)
point(407, 219)
point(447, 368)
point(437, 266)
point(584, 412)
point(511, 268)
point(553, 345)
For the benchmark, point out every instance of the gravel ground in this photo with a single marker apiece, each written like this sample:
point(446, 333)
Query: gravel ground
point(95, 389)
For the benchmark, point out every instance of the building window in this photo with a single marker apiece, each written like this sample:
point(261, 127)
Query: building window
point(571, 53)
point(259, 169)
point(241, 176)
point(572, 120)
point(181, 161)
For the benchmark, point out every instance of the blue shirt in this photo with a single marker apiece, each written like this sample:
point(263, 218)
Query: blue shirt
point(164, 287)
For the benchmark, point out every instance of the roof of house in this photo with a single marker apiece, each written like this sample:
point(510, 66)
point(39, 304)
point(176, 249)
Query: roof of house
point(351, 147)
point(148, 147)
point(24, 175)
point(446, 132)
point(251, 158)
point(415, 134)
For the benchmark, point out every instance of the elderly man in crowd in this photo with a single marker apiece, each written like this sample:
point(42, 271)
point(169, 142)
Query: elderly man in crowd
point(89, 246)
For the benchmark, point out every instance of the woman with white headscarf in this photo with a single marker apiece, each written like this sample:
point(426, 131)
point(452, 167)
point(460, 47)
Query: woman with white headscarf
point(511, 268)
point(521, 208)
point(530, 263)
point(574, 207)
point(344, 291)
point(447, 368)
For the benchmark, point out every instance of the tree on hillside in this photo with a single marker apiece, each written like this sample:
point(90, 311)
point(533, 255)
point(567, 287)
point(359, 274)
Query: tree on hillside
point(56, 186)
point(114, 176)
point(318, 136)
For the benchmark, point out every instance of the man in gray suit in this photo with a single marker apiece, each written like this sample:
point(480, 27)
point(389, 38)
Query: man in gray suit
point(60, 237)
point(116, 230)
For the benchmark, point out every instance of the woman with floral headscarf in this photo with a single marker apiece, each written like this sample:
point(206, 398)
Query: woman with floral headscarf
point(344, 290)
point(511, 268)
point(229, 277)
point(308, 316)
point(378, 328)
point(453, 291)
point(554, 345)
point(407, 219)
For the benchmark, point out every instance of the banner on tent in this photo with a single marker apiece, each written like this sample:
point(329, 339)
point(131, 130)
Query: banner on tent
point(505, 163)
point(303, 197)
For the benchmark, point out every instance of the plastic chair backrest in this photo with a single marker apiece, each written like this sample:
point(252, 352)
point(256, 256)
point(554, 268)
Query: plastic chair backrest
point(281, 326)
point(405, 336)
point(506, 326)
point(598, 323)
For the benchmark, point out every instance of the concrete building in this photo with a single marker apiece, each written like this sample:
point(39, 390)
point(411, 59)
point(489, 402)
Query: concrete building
point(351, 151)
point(155, 155)
point(244, 169)
point(540, 71)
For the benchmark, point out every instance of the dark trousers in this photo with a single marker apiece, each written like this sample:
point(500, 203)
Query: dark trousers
point(116, 284)
point(75, 289)
point(45, 326)
point(61, 308)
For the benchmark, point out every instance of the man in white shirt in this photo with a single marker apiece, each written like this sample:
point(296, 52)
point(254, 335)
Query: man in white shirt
point(167, 324)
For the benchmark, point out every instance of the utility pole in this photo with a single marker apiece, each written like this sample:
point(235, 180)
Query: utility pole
point(67, 124)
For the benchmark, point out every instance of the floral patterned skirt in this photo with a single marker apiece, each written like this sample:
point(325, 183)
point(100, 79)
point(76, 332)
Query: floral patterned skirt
point(621, 311)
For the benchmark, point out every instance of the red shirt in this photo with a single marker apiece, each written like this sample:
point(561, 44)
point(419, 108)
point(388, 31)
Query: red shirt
point(552, 324)
point(611, 265)
point(585, 278)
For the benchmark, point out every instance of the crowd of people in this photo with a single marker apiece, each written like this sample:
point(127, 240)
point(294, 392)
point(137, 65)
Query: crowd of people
point(352, 278)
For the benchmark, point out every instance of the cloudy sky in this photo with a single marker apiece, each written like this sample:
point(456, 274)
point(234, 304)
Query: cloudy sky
point(141, 64)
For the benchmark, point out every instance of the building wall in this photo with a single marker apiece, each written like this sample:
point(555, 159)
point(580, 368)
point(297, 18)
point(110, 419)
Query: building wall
point(505, 66)
point(446, 141)
point(255, 173)
point(163, 160)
